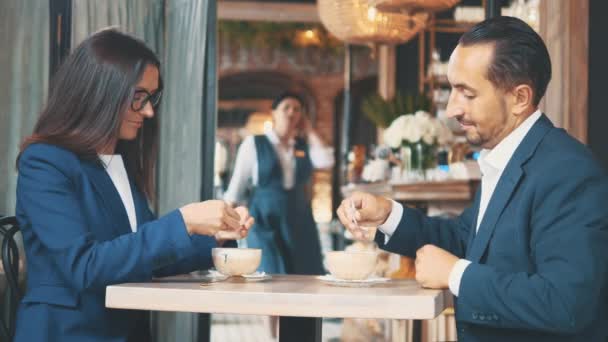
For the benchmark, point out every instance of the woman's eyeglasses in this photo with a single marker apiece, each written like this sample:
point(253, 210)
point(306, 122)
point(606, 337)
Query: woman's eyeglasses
point(142, 97)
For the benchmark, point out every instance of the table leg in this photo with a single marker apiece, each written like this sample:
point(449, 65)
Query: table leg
point(417, 331)
point(296, 329)
point(204, 327)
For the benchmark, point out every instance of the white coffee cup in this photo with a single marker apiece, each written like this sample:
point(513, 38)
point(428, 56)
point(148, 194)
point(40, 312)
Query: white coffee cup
point(236, 261)
point(351, 265)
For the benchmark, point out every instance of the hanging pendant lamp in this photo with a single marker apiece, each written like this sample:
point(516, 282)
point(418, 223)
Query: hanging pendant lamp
point(413, 6)
point(356, 22)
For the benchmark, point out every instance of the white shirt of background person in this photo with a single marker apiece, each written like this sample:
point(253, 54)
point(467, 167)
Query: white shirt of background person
point(245, 172)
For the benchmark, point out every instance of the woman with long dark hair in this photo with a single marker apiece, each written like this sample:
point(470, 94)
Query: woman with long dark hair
point(86, 177)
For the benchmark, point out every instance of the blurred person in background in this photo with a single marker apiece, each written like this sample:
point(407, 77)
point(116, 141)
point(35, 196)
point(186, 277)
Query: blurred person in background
point(279, 165)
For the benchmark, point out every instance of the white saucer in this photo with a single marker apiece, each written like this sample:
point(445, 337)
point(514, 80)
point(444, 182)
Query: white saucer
point(215, 276)
point(257, 276)
point(330, 279)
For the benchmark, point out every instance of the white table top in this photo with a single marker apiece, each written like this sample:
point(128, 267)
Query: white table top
point(283, 295)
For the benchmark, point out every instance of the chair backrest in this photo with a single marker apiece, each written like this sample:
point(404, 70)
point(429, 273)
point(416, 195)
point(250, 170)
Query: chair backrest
point(10, 263)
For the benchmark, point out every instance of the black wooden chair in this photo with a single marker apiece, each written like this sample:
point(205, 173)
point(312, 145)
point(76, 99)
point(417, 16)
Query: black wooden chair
point(10, 263)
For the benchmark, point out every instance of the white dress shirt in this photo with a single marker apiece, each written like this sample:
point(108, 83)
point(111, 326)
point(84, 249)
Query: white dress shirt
point(245, 172)
point(117, 172)
point(492, 164)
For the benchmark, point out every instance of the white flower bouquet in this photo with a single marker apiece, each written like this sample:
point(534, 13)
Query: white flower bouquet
point(413, 128)
point(419, 134)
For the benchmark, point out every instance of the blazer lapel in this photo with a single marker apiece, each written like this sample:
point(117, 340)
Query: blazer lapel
point(474, 223)
point(507, 184)
point(110, 199)
point(141, 205)
point(504, 189)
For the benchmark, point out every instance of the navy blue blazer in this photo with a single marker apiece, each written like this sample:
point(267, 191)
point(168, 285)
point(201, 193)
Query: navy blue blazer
point(78, 240)
point(540, 258)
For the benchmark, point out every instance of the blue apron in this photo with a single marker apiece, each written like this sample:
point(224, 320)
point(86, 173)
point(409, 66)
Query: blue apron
point(284, 226)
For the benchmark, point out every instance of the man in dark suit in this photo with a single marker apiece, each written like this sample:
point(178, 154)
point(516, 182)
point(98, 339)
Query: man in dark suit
point(528, 261)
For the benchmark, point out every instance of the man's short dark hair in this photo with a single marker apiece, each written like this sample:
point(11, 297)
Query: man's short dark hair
point(520, 55)
point(288, 94)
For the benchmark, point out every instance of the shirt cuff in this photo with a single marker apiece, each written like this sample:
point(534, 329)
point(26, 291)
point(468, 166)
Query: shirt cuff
point(321, 157)
point(392, 222)
point(456, 275)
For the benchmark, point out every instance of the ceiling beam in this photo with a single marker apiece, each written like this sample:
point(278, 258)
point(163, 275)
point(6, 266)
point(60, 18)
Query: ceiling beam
point(268, 11)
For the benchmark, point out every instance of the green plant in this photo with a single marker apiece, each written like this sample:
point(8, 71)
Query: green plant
point(276, 35)
point(382, 112)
